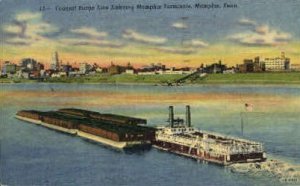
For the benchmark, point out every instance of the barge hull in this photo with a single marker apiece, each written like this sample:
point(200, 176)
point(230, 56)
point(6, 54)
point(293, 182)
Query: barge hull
point(61, 129)
point(101, 140)
point(77, 132)
point(39, 122)
point(35, 121)
point(108, 142)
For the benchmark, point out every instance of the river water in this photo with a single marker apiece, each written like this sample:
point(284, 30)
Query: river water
point(33, 155)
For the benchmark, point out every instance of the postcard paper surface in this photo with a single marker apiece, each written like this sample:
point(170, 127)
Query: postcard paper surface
point(199, 92)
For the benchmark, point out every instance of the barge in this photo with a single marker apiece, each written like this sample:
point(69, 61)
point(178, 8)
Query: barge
point(181, 138)
point(111, 118)
point(178, 137)
point(114, 130)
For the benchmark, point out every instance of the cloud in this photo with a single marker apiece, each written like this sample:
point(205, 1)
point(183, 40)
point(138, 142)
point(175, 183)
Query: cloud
point(40, 30)
point(89, 32)
point(263, 29)
point(12, 29)
point(247, 22)
point(183, 51)
point(18, 41)
point(188, 47)
point(269, 38)
point(90, 37)
point(91, 42)
point(197, 43)
point(143, 38)
point(15, 29)
point(27, 28)
point(28, 16)
point(260, 35)
point(179, 25)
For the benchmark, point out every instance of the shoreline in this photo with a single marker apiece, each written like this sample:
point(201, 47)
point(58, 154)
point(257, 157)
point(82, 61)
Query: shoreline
point(254, 83)
point(170, 80)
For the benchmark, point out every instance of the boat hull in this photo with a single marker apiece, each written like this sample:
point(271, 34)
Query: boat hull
point(206, 156)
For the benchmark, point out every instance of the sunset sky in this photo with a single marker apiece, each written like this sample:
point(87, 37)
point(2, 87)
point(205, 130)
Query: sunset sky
point(179, 37)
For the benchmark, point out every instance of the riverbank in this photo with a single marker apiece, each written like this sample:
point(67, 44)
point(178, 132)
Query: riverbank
point(249, 78)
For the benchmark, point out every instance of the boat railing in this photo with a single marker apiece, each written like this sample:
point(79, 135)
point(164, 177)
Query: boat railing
point(225, 148)
point(242, 149)
point(228, 137)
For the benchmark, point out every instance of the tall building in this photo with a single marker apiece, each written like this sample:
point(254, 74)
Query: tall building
point(116, 69)
point(258, 66)
point(9, 68)
point(250, 65)
point(215, 68)
point(277, 64)
point(28, 64)
point(55, 62)
point(247, 66)
point(40, 66)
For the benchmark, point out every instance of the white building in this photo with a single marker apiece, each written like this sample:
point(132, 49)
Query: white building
point(99, 69)
point(277, 64)
point(55, 61)
point(84, 68)
point(295, 67)
point(75, 73)
point(173, 71)
point(229, 71)
point(59, 74)
point(129, 71)
point(147, 73)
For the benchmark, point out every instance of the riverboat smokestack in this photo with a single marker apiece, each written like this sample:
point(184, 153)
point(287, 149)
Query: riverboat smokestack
point(171, 116)
point(188, 116)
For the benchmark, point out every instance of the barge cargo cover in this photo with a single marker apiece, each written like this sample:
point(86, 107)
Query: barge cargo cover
point(120, 133)
point(112, 118)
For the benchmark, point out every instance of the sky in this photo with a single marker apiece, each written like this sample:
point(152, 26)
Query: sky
point(175, 37)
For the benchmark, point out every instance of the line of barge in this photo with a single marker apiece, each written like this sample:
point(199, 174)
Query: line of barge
point(113, 130)
point(178, 137)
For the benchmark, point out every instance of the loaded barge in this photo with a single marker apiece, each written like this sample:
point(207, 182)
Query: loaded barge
point(109, 129)
point(183, 139)
point(178, 137)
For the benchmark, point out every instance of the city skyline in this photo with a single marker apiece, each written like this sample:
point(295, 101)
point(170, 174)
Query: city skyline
point(181, 37)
